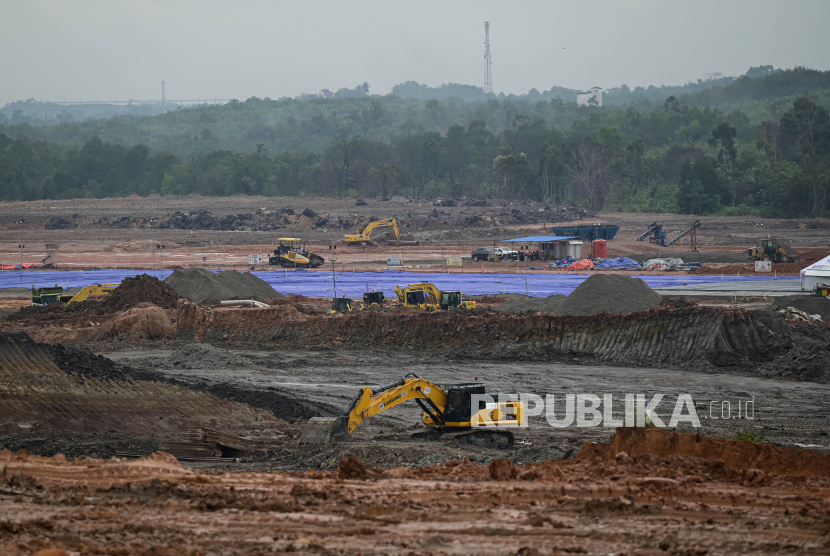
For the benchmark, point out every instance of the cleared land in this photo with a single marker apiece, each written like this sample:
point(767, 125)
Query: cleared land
point(124, 375)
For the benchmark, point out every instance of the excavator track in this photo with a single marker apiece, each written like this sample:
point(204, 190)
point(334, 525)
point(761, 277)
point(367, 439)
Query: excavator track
point(484, 437)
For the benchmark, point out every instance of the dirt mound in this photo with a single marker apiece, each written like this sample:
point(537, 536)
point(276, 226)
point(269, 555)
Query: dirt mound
point(76, 444)
point(202, 286)
point(811, 305)
point(598, 294)
point(142, 245)
point(145, 322)
point(54, 387)
point(735, 454)
point(140, 289)
point(204, 356)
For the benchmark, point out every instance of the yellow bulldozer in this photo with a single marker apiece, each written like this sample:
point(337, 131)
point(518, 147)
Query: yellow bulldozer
point(771, 250)
point(461, 413)
point(291, 254)
point(427, 296)
point(364, 235)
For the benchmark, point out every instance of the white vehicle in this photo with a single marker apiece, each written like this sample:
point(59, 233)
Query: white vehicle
point(505, 253)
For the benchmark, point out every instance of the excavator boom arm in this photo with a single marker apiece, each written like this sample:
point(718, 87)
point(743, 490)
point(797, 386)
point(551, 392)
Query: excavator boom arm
point(368, 402)
point(366, 233)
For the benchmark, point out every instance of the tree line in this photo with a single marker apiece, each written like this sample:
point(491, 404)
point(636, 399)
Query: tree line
point(673, 157)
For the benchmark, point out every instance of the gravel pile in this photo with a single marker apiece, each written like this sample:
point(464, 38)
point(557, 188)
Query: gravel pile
point(598, 294)
point(203, 286)
point(811, 305)
point(612, 293)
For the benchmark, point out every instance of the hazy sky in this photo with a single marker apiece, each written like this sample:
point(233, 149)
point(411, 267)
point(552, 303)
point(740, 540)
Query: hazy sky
point(88, 49)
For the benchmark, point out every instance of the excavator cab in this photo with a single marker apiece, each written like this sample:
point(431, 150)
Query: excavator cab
point(450, 300)
point(373, 299)
point(341, 305)
point(415, 297)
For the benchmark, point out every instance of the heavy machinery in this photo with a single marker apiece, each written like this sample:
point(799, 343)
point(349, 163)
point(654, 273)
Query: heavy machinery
point(425, 295)
point(48, 261)
point(47, 295)
point(92, 290)
point(656, 232)
point(291, 254)
point(457, 413)
point(341, 305)
point(771, 250)
point(372, 300)
point(364, 235)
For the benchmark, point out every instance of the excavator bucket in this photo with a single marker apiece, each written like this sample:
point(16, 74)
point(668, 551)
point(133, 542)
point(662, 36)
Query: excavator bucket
point(323, 430)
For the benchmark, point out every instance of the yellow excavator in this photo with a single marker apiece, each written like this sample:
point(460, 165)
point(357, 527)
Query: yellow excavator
point(461, 413)
point(364, 235)
point(94, 289)
point(425, 295)
point(48, 295)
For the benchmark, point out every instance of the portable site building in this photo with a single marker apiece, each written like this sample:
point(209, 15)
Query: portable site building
point(816, 273)
point(552, 247)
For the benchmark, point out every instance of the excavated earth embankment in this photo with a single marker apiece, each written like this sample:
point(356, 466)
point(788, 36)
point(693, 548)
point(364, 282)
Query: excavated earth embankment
point(644, 499)
point(45, 387)
point(677, 336)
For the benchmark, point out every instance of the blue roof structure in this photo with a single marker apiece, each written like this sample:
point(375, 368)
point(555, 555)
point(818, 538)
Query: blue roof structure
point(532, 239)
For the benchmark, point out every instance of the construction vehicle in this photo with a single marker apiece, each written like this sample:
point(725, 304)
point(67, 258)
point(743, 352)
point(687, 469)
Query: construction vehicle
point(48, 262)
point(771, 250)
point(92, 290)
point(341, 305)
point(425, 295)
point(364, 235)
point(291, 254)
point(458, 413)
point(372, 300)
point(47, 295)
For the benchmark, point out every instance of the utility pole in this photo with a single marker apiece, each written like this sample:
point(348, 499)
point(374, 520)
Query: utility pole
point(488, 76)
point(163, 98)
point(334, 274)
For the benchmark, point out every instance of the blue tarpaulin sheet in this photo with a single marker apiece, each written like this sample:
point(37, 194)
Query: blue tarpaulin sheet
point(355, 284)
point(622, 262)
point(588, 233)
point(543, 239)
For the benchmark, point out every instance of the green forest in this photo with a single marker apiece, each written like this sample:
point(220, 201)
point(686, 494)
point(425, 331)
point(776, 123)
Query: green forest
point(759, 144)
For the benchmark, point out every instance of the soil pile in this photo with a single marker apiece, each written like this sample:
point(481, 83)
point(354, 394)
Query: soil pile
point(735, 454)
point(598, 294)
point(811, 305)
point(202, 286)
point(532, 304)
point(141, 289)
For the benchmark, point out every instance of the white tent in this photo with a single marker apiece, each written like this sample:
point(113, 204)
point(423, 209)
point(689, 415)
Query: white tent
point(816, 273)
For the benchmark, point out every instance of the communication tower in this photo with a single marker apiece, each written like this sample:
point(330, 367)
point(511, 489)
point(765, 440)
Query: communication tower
point(488, 76)
point(163, 99)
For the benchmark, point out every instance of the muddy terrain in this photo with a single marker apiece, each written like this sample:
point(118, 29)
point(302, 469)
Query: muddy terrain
point(160, 368)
